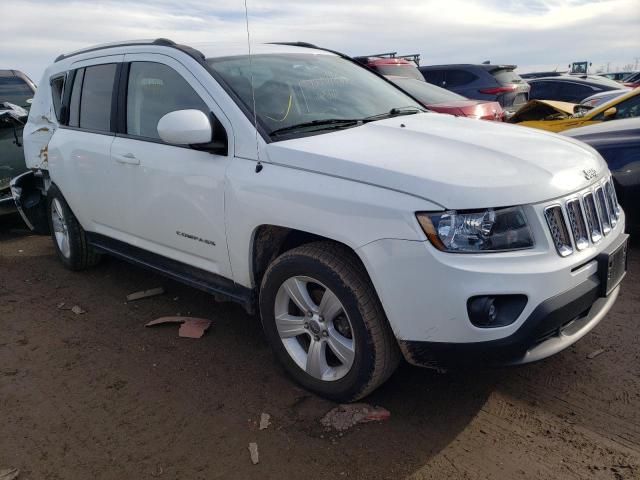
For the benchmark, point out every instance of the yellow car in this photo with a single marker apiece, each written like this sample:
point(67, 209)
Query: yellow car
point(558, 116)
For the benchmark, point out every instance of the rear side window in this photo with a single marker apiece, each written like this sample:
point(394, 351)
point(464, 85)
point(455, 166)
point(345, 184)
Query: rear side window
point(575, 92)
point(57, 90)
point(543, 90)
point(153, 91)
point(505, 77)
point(97, 93)
point(459, 78)
point(434, 76)
point(74, 103)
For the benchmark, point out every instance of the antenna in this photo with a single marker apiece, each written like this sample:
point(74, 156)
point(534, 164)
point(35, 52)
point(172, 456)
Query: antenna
point(253, 93)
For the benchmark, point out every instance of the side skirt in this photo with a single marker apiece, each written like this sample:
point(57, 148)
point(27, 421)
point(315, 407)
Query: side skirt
point(187, 274)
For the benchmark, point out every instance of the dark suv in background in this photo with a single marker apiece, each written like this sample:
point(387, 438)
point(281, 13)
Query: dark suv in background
point(498, 83)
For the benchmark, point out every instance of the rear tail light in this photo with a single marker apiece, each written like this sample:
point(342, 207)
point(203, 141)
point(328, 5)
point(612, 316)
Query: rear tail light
point(501, 89)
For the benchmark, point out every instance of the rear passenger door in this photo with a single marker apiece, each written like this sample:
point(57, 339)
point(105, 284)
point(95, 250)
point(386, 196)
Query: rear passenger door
point(174, 194)
point(79, 152)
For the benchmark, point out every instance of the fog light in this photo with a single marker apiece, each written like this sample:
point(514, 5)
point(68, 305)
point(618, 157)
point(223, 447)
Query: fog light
point(488, 311)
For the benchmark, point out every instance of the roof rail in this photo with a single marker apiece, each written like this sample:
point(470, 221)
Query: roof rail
point(165, 42)
point(297, 44)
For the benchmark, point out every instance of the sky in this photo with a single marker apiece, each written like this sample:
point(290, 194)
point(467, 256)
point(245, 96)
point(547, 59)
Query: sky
point(533, 34)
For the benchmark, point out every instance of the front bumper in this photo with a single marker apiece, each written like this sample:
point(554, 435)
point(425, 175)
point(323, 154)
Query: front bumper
point(424, 293)
point(553, 326)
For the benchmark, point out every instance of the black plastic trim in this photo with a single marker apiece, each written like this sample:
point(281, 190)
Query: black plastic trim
point(187, 274)
point(547, 318)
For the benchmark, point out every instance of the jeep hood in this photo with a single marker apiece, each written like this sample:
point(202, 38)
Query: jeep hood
point(455, 162)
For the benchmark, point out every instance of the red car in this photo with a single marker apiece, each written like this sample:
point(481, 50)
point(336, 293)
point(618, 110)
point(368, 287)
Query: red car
point(444, 101)
point(390, 64)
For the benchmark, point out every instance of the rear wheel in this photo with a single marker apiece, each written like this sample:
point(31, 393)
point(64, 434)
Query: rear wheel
point(69, 238)
point(325, 322)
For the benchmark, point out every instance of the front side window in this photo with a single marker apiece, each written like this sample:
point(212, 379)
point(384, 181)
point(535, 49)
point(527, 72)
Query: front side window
point(153, 91)
point(295, 89)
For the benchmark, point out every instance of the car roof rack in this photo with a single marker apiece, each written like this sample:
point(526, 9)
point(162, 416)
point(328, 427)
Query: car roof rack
point(164, 42)
point(413, 57)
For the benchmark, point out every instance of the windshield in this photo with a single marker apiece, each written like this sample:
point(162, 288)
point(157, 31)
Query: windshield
point(294, 89)
point(15, 90)
point(425, 92)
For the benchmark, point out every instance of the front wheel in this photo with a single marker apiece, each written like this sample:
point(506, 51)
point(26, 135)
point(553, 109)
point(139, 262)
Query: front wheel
point(325, 323)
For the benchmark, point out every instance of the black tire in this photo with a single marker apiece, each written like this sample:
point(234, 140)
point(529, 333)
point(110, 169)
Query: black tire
point(81, 255)
point(376, 353)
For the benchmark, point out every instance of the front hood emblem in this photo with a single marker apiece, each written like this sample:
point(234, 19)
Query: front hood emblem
point(590, 173)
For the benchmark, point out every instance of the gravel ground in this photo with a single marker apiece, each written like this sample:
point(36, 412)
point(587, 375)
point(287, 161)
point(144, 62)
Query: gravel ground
point(97, 395)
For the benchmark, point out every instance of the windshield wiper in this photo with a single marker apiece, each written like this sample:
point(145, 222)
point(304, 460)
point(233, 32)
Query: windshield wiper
point(324, 124)
point(336, 123)
point(395, 112)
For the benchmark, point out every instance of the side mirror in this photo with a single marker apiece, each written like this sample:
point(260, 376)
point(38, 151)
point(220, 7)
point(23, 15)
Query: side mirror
point(610, 113)
point(185, 127)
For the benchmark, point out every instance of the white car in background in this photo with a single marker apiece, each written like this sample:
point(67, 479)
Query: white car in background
point(360, 227)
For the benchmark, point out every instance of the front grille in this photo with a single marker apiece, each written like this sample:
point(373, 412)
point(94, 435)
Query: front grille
point(579, 221)
point(576, 222)
point(559, 231)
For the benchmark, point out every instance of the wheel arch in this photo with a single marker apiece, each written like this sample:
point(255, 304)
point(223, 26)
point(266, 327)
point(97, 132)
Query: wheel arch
point(270, 241)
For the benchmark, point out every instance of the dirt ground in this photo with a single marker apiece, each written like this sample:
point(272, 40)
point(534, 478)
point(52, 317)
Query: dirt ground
point(97, 395)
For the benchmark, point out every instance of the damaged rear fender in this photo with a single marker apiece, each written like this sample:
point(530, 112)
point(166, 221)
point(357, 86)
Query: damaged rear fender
point(29, 194)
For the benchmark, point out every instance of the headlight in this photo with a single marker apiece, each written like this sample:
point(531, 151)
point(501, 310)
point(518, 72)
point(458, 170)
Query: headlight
point(474, 231)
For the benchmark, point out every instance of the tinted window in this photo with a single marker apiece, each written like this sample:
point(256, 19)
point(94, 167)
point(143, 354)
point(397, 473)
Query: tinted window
point(505, 77)
point(97, 91)
point(57, 87)
point(74, 103)
point(575, 92)
point(543, 91)
point(458, 78)
point(15, 90)
point(434, 76)
point(155, 90)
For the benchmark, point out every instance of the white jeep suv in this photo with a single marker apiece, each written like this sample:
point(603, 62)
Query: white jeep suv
point(309, 189)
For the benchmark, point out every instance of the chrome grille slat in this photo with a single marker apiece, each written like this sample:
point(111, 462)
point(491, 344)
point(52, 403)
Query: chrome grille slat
point(591, 213)
point(612, 203)
point(576, 222)
point(603, 211)
point(558, 228)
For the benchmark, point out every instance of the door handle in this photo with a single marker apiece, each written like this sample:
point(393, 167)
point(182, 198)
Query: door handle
point(128, 158)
